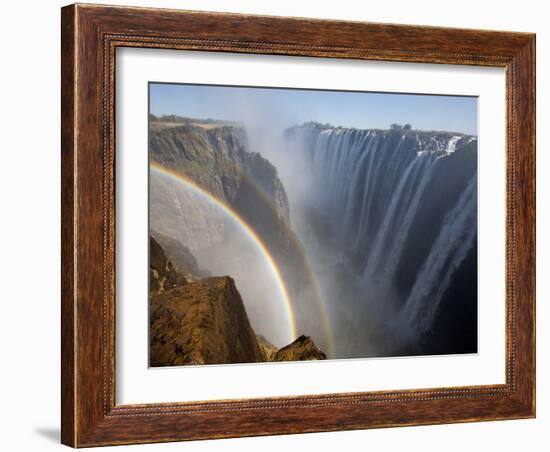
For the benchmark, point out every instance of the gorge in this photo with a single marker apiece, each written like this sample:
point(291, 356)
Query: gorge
point(370, 234)
point(396, 211)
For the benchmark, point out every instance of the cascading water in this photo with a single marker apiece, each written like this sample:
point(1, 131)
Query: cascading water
point(398, 211)
point(453, 242)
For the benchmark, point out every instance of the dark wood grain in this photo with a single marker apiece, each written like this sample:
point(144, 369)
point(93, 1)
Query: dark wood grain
point(67, 224)
point(90, 36)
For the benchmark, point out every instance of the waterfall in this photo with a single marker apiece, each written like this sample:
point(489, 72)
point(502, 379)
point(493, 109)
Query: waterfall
point(401, 205)
point(389, 242)
point(449, 250)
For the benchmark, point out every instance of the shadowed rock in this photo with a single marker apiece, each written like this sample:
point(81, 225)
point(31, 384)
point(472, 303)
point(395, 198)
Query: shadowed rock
point(162, 274)
point(183, 259)
point(268, 349)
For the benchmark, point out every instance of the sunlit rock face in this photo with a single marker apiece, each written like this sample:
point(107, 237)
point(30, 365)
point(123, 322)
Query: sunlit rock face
point(302, 349)
point(219, 159)
point(203, 322)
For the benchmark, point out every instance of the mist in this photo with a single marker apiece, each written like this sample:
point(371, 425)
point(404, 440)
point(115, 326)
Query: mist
point(222, 247)
point(380, 299)
point(373, 231)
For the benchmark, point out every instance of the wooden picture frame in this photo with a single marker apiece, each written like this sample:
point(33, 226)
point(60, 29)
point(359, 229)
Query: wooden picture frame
point(90, 36)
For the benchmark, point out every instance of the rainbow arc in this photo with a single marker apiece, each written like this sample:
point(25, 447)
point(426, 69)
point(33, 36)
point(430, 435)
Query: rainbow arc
point(226, 209)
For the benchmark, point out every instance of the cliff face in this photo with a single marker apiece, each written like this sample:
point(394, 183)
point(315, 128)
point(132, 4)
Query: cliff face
point(202, 322)
point(205, 322)
point(183, 260)
point(216, 156)
point(162, 274)
point(217, 159)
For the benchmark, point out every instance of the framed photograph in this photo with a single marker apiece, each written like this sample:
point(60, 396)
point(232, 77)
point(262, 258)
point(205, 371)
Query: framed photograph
point(281, 225)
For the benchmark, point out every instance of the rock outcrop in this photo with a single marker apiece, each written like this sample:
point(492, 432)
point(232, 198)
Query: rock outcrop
point(202, 322)
point(205, 322)
point(302, 349)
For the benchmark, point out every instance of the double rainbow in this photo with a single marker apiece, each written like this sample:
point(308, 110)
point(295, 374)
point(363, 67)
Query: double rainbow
point(260, 245)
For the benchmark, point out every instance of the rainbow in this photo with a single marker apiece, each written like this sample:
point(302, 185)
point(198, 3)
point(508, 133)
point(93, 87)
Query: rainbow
point(177, 177)
point(319, 299)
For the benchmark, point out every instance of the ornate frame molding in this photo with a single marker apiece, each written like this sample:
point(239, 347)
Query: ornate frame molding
point(90, 37)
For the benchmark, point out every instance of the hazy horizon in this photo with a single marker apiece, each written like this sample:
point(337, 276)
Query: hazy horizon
point(287, 107)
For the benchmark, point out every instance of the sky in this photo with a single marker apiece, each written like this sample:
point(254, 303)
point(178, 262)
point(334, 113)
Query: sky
point(288, 107)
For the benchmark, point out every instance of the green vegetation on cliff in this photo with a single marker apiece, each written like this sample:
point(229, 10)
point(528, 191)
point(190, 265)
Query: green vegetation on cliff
point(217, 159)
